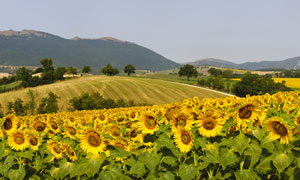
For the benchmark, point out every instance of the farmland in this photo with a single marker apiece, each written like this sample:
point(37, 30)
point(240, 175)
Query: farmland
point(225, 138)
point(140, 90)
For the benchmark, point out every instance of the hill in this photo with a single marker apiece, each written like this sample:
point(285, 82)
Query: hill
point(141, 90)
point(291, 63)
point(28, 47)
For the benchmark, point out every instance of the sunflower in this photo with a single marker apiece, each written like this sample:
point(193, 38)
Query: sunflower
point(183, 140)
point(34, 141)
point(210, 124)
point(114, 131)
point(278, 129)
point(69, 152)
point(182, 119)
point(91, 141)
point(17, 141)
point(53, 126)
point(71, 132)
point(248, 114)
point(39, 126)
point(9, 124)
point(148, 123)
point(55, 149)
point(175, 108)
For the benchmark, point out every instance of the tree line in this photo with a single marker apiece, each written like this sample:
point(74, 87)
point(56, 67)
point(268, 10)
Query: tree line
point(50, 104)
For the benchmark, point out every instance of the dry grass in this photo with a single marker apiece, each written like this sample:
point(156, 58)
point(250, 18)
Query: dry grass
point(141, 90)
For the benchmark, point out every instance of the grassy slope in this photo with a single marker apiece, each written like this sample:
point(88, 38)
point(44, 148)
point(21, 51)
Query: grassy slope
point(141, 90)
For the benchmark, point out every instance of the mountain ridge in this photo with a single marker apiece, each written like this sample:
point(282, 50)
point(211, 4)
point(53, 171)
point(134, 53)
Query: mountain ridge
point(28, 47)
point(290, 63)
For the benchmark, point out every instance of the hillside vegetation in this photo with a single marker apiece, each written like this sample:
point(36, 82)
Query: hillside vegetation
point(140, 90)
point(27, 47)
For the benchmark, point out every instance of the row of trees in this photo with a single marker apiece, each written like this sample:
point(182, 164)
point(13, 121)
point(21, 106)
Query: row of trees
point(111, 71)
point(49, 104)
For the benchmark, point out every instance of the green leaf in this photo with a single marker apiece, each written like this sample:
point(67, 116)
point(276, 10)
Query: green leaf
point(79, 169)
point(112, 174)
point(187, 172)
point(165, 141)
point(259, 133)
point(282, 161)
point(9, 161)
point(200, 142)
point(254, 151)
point(117, 152)
point(34, 177)
point(264, 165)
point(209, 158)
point(240, 143)
point(26, 154)
point(167, 176)
point(150, 159)
point(94, 164)
point(16, 174)
point(245, 174)
point(63, 170)
point(138, 169)
point(227, 158)
point(170, 161)
point(267, 143)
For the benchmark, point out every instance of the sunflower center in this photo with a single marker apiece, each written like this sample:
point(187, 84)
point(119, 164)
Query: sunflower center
point(185, 138)
point(245, 112)
point(33, 141)
point(56, 149)
point(54, 125)
point(120, 119)
point(280, 129)
point(209, 124)
point(132, 115)
point(298, 120)
point(150, 122)
point(72, 119)
point(39, 126)
point(102, 117)
point(19, 139)
point(133, 133)
point(94, 139)
point(7, 124)
point(115, 131)
point(128, 125)
point(72, 131)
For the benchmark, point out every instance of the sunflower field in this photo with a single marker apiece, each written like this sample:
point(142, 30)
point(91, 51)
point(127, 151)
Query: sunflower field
point(255, 137)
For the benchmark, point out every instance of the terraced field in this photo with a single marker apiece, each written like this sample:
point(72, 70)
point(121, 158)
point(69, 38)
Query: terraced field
point(140, 90)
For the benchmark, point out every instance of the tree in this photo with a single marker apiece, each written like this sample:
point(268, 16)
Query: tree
point(215, 72)
point(86, 69)
point(72, 70)
point(109, 70)
point(59, 73)
point(17, 107)
point(49, 104)
point(253, 84)
point(188, 70)
point(24, 75)
point(129, 69)
point(48, 71)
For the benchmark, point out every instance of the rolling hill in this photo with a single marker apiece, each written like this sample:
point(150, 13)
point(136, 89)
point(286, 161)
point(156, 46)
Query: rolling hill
point(291, 63)
point(28, 47)
point(141, 90)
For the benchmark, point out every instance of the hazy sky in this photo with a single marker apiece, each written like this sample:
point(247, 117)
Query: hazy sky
point(181, 30)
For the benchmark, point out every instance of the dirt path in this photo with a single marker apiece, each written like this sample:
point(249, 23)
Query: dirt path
point(203, 88)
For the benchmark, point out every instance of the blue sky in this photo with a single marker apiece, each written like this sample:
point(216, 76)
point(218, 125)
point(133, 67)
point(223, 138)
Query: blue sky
point(236, 30)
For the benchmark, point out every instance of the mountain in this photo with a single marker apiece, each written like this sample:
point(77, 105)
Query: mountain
point(214, 62)
point(28, 47)
point(291, 63)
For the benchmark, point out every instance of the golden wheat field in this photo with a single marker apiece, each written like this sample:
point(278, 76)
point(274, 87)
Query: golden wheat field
point(290, 82)
point(140, 90)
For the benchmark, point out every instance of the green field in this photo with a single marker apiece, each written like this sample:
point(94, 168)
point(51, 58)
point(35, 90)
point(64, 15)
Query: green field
point(140, 90)
point(8, 87)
